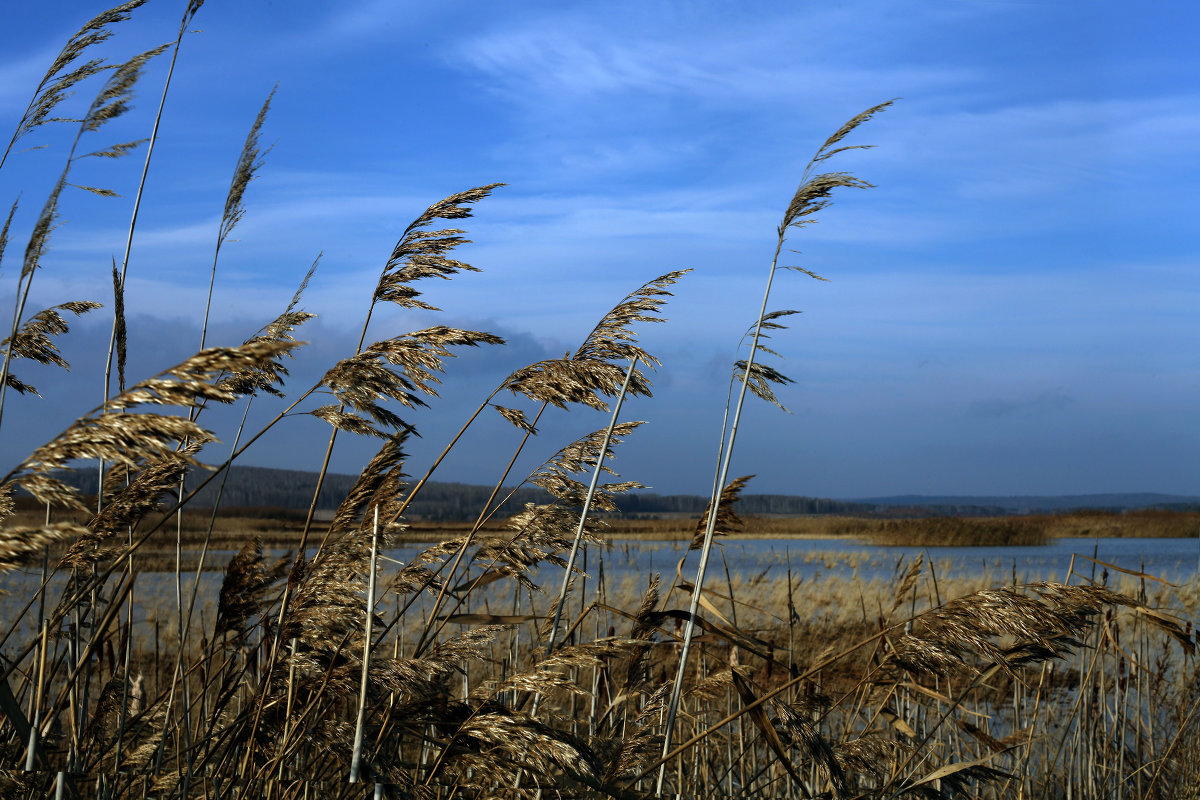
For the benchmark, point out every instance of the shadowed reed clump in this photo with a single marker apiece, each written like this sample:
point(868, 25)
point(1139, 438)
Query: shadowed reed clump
point(340, 669)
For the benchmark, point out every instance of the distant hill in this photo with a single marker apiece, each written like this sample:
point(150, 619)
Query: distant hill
point(264, 487)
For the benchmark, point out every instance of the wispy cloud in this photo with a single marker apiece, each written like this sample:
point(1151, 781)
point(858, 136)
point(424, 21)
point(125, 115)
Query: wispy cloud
point(713, 55)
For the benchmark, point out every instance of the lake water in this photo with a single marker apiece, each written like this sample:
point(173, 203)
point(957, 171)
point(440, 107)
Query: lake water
point(1173, 560)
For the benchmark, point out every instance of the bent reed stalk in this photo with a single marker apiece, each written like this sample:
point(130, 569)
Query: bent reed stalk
point(451, 672)
point(812, 195)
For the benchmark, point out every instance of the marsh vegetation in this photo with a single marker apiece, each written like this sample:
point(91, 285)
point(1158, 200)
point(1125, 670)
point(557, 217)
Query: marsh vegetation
point(498, 660)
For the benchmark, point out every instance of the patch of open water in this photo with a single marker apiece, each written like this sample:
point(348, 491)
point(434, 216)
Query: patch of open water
point(1172, 559)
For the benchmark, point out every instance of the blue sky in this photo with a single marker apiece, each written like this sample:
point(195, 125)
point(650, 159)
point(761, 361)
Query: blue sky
point(1012, 310)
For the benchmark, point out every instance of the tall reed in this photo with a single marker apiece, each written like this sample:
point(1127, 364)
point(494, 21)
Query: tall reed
point(813, 194)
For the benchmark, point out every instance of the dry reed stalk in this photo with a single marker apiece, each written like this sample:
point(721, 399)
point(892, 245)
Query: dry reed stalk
point(54, 86)
point(420, 253)
point(583, 514)
point(813, 195)
point(356, 755)
point(117, 338)
point(249, 161)
point(579, 378)
point(540, 532)
point(583, 378)
point(111, 102)
point(361, 380)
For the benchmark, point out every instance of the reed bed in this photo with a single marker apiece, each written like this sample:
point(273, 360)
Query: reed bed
point(339, 671)
point(281, 528)
point(1023, 530)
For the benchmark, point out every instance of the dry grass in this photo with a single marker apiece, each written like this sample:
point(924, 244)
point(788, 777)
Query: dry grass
point(340, 672)
point(923, 532)
point(281, 529)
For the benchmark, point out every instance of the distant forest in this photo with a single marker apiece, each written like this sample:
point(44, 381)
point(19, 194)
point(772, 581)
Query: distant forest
point(261, 487)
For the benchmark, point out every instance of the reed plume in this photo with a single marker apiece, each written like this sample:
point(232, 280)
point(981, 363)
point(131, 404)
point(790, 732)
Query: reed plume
point(130, 439)
point(33, 341)
point(56, 83)
point(727, 520)
point(111, 102)
point(244, 590)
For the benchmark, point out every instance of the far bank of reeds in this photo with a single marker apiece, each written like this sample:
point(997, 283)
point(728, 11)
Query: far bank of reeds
point(1025, 530)
point(281, 528)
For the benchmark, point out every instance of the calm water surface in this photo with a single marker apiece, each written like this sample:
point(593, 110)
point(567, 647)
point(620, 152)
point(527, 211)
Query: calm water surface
point(1171, 559)
point(1174, 560)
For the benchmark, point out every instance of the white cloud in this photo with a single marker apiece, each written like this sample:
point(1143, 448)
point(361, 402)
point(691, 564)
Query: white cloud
point(576, 60)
